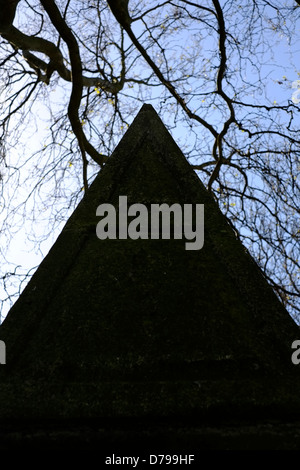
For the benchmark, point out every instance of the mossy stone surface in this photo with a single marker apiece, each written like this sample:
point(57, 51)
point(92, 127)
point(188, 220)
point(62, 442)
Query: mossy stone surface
point(145, 328)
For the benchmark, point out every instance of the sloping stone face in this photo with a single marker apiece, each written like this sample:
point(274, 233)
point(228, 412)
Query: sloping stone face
point(121, 329)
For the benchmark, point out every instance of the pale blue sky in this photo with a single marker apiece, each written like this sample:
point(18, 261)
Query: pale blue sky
point(282, 69)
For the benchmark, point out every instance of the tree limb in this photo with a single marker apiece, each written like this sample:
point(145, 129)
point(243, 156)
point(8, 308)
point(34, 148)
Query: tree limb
point(77, 85)
point(118, 7)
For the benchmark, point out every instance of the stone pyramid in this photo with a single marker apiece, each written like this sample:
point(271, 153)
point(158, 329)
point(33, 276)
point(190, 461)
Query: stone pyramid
point(144, 330)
